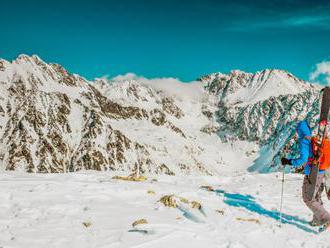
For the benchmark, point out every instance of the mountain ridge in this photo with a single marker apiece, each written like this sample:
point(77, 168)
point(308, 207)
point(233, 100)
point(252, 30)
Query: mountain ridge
point(54, 121)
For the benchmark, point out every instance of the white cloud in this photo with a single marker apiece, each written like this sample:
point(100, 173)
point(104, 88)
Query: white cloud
point(170, 86)
point(315, 21)
point(307, 21)
point(127, 76)
point(321, 74)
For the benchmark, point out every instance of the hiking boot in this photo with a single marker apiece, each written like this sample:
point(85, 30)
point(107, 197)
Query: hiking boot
point(315, 222)
point(325, 227)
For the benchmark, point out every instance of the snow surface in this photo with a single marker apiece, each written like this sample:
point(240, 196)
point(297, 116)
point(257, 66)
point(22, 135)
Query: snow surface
point(48, 210)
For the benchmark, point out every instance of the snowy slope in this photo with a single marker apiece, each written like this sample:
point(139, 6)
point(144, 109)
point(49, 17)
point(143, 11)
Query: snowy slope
point(168, 147)
point(92, 210)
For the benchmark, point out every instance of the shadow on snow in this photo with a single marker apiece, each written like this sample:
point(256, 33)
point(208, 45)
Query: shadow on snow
point(248, 202)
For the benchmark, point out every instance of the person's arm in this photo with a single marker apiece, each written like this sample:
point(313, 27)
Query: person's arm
point(303, 156)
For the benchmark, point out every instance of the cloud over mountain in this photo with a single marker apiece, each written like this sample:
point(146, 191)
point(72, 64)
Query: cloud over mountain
point(321, 74)
point(172, 86)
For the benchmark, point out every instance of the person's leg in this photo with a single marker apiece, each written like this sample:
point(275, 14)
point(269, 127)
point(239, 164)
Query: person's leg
point(323, 214)
point(316, 204)
point(318, 195)
point(305, 195)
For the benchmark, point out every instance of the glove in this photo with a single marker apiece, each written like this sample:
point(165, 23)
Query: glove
point(299, 170)
point(286, 161)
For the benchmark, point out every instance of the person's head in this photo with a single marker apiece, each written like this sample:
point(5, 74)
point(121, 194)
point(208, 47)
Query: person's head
point(303, 130)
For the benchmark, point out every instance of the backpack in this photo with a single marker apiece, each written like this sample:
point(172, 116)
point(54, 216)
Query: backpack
point(322, 152)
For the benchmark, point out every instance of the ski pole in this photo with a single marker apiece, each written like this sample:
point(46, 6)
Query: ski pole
point(282, 190)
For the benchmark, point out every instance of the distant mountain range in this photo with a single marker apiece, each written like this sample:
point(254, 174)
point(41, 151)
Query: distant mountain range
point(55, 121)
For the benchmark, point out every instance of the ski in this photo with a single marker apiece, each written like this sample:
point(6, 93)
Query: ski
point(321, 133)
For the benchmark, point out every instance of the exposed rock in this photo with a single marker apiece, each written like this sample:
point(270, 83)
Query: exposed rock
point(210, 129)
point(208, 188)
point(249, 220)
point(220, 211)
point(139, 222)
point(131, 178)
point(168, 201)
point(170, 107)
point(87, 224)
point(163, 169)
point(196, 204)
point(172, 201)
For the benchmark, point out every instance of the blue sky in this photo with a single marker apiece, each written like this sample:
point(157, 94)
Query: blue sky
point(183, 39)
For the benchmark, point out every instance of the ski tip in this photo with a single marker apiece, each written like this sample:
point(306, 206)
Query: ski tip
point(326, 88)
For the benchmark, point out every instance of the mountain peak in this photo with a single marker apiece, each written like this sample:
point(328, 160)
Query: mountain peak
point(245, 88)
point(27, 58)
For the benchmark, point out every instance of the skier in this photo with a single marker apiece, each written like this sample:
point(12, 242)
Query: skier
point(314, 203)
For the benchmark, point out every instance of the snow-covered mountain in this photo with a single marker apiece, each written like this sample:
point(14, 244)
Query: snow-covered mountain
point(55, 121)
point(262, 108)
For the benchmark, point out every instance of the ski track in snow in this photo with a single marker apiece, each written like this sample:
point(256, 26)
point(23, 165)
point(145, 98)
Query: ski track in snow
point(49, 211)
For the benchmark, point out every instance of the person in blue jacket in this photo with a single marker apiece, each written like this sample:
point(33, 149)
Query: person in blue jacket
point(313, 201)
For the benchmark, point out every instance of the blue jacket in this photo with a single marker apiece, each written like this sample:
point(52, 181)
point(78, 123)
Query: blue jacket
point(305, 148)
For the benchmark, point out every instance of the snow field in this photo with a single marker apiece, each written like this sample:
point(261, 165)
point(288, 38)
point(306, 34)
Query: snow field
point(90, 209)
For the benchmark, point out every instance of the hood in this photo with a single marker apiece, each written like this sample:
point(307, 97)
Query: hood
point(303, 129)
